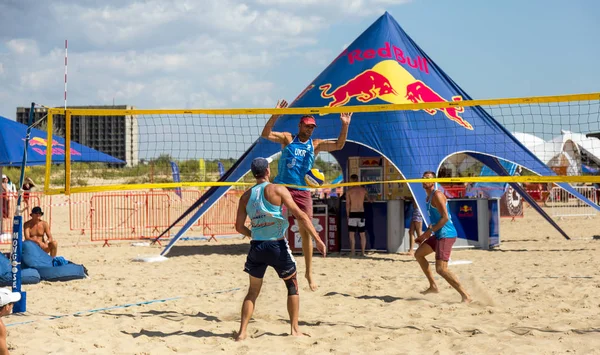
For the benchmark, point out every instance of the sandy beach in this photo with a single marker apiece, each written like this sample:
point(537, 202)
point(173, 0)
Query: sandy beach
point(536, 294)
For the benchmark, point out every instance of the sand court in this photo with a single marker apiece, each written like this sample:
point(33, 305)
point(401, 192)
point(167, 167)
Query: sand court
point(537, 293)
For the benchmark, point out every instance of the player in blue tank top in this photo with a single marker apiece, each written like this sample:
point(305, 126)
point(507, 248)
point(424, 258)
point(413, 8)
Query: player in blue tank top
point(297, 157)
point(263, 205)
point(266, 220)
point(296, 160)
point(439, 238)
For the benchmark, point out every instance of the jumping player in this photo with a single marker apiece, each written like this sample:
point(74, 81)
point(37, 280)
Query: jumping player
point(298, 155)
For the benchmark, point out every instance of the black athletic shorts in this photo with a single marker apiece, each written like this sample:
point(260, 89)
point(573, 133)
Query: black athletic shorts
point(356, 222)
point(276, 254)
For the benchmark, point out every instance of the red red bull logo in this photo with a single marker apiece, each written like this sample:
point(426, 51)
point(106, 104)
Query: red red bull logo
point(38, 142)
point(370, 162)
point(419, 92)
point(465, 211)
point(391, 82)
point(366, 86)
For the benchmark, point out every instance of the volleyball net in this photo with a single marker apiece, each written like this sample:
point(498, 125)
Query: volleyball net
point(193, 148)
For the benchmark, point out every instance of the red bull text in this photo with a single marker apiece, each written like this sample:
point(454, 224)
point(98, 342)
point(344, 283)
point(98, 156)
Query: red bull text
point(387, 51)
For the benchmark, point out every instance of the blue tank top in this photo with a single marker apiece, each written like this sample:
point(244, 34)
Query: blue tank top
point(267, 220)
point(296, 160)
point(448, 230)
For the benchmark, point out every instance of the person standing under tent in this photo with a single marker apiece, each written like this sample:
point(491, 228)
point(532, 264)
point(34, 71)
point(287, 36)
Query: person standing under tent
point(439, 238)
point(298, 155)
point(263, 204)
point(355, 212)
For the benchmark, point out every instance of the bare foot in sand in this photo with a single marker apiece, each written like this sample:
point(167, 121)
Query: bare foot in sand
point(297, 333)
point(241, 336)
point(466, 299)
point(431, 289)
point(311, 283)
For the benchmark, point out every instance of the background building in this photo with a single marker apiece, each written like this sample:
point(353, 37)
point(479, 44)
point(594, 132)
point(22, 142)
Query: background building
point(117, 136)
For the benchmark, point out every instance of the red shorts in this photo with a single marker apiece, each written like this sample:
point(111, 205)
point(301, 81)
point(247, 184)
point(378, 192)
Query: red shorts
point(303, 199)
point(442, 247)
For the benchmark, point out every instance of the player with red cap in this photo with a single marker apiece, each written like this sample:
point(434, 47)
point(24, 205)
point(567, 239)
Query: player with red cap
point(297, 157)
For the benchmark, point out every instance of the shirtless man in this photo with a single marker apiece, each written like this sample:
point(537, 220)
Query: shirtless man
point(355, 211)
point(35, 229)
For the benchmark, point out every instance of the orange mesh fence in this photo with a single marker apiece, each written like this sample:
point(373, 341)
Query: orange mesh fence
point(137, 215)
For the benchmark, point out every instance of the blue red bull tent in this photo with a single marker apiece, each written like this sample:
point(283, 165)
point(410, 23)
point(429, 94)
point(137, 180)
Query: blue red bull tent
point(384, 65)
point(12, 144)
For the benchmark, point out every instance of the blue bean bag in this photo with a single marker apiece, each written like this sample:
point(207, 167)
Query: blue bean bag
point(28, 276)
point(58, 269)
point(66, 272)
point(34, 256)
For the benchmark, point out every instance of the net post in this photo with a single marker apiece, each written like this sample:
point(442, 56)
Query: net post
point(68, 152)
point(48, 152)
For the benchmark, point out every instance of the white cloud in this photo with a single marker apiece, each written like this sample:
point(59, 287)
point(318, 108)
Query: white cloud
point(159, 54)
point(336, 7)
point(23, 47)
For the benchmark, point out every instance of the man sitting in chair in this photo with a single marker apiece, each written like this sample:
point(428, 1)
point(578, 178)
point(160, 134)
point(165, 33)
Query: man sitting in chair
point(38, 231)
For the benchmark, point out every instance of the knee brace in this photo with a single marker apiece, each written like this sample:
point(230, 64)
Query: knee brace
point(292, 286)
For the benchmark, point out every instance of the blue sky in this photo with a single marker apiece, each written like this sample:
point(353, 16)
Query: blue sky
point(155, 54)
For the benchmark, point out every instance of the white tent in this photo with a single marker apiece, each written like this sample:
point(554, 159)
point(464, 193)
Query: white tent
point(563, 152)
point(528, 140)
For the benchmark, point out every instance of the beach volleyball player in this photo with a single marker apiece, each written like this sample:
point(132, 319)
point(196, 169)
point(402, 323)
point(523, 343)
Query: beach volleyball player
point(438, 238)
point(297, 157)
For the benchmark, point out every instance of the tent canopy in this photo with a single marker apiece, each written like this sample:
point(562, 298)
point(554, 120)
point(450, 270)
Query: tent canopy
point(12, 143)
point(565, 150)
point(384, 65)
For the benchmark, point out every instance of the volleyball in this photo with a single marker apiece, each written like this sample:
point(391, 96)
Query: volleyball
point(314, 178)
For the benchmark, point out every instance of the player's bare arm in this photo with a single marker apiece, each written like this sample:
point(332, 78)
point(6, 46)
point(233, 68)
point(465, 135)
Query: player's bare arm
point(302, 217)
point(330, 146)
point(283, 138)
point(439, 202)
point(240, 220)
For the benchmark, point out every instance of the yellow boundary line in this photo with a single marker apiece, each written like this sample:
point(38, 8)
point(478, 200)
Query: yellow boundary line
point(339, 109)
point(497, 179)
